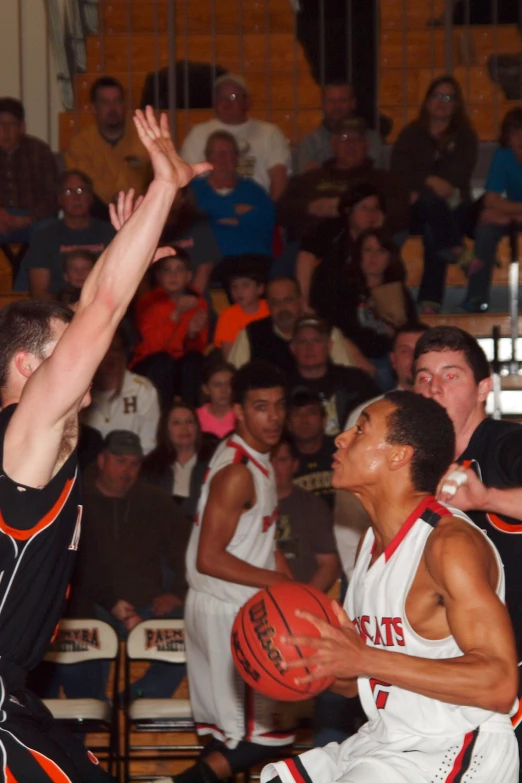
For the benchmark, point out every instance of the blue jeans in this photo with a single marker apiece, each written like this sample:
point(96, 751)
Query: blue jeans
point(384, 377)
point(161, 679)
point(487, 238)
point(441, 229)
point(335, 718)
point(89, 679)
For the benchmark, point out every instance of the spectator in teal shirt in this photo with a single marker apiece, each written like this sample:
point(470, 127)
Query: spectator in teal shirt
point(502, 205)
point(241, 213)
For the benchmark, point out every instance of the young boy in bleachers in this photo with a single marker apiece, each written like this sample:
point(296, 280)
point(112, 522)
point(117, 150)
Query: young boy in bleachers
point(172, 320)
point(76, 266)
point(246, 286)
point(217, 416)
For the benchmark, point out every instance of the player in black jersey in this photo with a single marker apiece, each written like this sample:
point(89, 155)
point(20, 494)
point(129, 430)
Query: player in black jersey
point(486, 478)
point(47, 360)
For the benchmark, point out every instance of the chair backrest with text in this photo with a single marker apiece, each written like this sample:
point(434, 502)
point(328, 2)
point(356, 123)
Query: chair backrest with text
point(78, 641)
point(158, 640)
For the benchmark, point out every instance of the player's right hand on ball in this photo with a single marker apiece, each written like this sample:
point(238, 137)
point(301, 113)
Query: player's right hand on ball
point(338, 653)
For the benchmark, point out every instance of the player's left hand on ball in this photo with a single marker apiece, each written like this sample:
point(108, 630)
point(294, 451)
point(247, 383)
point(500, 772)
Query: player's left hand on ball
point(462, 488)
point(337, 651)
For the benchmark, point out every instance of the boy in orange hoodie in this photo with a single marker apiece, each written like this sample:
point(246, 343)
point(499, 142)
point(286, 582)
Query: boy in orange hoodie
point(172, 320)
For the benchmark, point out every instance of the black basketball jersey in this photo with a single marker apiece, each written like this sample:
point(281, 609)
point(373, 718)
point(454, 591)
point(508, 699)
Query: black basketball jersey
point(495, 453)
point(39, 532)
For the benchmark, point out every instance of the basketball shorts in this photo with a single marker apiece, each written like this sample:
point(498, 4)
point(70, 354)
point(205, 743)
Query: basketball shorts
point(34, 748)
point(478, 757)
point(222, 704)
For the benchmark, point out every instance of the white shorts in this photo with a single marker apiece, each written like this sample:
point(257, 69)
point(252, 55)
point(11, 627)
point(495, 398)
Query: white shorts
point(222, 704)
point(479, 757)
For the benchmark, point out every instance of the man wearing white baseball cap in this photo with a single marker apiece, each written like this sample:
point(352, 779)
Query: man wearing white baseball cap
point(264, 153)
point(486, 479)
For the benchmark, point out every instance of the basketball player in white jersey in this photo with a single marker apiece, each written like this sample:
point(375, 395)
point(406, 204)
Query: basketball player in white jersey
point(231, 555)
point(429, 646)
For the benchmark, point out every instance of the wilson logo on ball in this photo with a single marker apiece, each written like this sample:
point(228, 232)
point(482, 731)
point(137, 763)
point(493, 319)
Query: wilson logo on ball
point(265, 633)
point(261, 640)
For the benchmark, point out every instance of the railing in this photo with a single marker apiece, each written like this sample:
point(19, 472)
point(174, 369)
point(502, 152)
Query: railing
point(69, 23)
point(287, 49)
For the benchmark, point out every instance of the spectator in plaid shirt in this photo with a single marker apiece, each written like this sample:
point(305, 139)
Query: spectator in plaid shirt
point(28, 177)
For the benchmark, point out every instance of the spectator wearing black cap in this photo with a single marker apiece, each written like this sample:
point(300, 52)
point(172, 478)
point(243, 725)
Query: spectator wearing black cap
point(269, 339)
point(241, 213)
point(28, 176)
point(339, 103)
point(130, 565)
point(339, 388)
point(306, 422)
point(305, 524)
point(313, 197)
point(246, 285)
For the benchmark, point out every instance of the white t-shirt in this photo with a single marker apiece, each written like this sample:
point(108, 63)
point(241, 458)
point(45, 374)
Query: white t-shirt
point(182, 476)
point(135, 409)
point(261, 144)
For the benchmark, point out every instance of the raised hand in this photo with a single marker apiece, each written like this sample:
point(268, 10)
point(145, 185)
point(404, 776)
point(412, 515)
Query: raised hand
point(124, 207)
point(167, 164)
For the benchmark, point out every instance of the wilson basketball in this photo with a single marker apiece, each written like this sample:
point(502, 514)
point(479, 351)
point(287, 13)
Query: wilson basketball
point(256, 646)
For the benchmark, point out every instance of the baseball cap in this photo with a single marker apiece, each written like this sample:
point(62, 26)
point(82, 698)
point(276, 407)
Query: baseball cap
point(302, 395)
point(12, 106)
point(351, 125)
point(312, 322)
point(123, 442)
point(235, 78)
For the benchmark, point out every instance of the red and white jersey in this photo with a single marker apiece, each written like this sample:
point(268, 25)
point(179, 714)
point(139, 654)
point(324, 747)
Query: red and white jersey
point(253, 540)
point(376, 601)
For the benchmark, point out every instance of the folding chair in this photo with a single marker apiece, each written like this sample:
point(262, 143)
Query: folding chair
point(14, 252)
point(79, 641)
point(156, 640)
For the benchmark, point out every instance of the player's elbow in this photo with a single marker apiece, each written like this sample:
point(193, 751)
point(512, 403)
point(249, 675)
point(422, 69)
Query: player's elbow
point(508, 698)
point(205, 563)
point(502, 693)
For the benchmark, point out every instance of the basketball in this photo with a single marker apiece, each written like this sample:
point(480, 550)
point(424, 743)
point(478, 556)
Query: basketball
point(256, 647)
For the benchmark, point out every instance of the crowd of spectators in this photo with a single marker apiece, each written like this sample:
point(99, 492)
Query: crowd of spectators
point(337, 316)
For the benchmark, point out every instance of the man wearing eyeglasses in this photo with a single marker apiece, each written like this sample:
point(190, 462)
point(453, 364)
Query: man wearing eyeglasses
point(264, 154)
point(42, 268)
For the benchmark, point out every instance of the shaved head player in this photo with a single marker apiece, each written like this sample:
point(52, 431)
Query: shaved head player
point(47, 360)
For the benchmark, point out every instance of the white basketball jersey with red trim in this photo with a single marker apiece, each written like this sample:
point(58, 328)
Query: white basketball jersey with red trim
point(376, 603)
point(253, 540)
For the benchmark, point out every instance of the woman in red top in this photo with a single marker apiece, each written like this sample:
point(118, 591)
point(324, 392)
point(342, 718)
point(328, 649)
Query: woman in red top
point(172, 320)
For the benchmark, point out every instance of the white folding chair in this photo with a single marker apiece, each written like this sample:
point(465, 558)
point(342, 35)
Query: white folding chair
point(79, 641)
point(156, 640)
